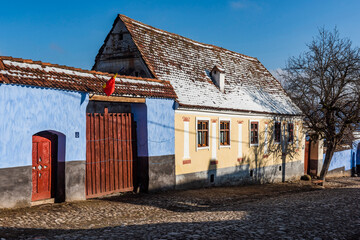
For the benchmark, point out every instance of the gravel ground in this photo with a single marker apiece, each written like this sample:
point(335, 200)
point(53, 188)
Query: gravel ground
point(295, 210)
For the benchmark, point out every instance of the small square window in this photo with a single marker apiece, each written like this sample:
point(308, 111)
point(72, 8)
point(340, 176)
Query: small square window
point(203, 133)
point(225, 133)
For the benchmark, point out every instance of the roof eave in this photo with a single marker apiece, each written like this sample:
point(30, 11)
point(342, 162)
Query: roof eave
point(195, 107)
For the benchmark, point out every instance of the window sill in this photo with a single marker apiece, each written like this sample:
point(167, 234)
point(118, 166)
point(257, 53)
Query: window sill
point(203, 148)
point(254, 145)
point(225, 146)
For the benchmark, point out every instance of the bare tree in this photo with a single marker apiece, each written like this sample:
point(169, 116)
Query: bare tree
point(324, 82)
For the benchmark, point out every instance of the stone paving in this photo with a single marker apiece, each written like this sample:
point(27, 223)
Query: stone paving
point(297, 210)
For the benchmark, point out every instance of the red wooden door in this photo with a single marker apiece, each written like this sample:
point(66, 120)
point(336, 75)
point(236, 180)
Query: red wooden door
point(307, 156)
point(41, 168)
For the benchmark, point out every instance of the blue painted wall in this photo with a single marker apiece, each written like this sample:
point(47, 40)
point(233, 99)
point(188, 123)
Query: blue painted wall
point(347, 158)
point(357, 152)
point(161, 126)
point(155, 127)
point(28, 110)
point(341, 159)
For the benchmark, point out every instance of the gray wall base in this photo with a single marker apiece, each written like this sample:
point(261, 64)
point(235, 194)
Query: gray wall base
point(16, 184)
point(15, 187)
point(339, 172)
point(75, 180)
point(241, 175)
point(156, 173)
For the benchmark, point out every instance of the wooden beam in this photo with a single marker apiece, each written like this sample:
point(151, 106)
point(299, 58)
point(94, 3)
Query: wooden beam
point(116, 99)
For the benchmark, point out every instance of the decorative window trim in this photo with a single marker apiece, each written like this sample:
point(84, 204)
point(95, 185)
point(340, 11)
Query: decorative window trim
point(219, 130)
point(266, 141)
point(240, 142)
point(277, 142)
point(196, 135)
point(213, 138)
point(297, 136)
point(283, 137)
point(254, 144)
point(186, 121)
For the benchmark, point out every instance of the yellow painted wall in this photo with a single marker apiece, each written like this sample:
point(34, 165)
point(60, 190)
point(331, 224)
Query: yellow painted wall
point(228, 156)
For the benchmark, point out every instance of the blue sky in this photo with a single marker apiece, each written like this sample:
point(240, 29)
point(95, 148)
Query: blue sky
point(71, 32)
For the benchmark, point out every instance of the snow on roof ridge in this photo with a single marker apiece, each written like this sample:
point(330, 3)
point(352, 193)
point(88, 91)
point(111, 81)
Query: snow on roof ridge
point(179, 37)
point(9, 60)
point(30, 61)
point(35, 73)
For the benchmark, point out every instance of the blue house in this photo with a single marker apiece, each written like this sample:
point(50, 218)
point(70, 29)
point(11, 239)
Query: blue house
point(62, 139)
point(346, 162)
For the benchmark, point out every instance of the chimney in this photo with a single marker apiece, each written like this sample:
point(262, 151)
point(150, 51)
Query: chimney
point(218, 77)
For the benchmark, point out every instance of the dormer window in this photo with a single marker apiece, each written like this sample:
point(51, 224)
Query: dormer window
point(218, 77)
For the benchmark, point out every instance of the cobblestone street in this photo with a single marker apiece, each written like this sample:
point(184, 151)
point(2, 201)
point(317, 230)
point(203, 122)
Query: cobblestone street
point(295, 210)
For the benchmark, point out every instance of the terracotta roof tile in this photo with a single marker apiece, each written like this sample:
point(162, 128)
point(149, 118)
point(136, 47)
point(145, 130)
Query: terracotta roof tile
point(36, 73)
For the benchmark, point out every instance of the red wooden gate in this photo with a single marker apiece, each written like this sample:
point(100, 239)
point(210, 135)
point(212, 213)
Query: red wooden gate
point(109, 153)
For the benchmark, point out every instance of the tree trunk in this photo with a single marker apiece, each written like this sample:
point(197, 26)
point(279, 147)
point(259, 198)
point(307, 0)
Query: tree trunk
point(328, 156)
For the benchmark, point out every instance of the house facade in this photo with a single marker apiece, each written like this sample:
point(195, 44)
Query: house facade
point(63, 140)
point(233, 121)
point(346, 162)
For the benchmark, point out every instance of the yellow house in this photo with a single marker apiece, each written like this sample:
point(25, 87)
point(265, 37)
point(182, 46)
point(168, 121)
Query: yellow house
point(233, 120)
point(216, 147)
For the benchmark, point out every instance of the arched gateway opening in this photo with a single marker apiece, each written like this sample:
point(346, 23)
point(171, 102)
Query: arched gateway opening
point(48, 169)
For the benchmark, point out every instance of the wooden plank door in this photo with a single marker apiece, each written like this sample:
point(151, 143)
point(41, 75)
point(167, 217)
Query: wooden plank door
point(307, 156)
point(41, 168)
point(109, 156)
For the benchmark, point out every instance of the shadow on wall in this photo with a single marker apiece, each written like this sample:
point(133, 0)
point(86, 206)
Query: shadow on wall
point(271, 156)
point(254, 166)
point(266, 162)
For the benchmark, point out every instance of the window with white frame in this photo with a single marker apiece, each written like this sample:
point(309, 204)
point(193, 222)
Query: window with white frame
point(203, 133)
point(254, 133)
point(224, 133)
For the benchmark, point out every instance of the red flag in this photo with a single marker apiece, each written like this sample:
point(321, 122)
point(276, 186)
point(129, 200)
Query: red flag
point(109, 87)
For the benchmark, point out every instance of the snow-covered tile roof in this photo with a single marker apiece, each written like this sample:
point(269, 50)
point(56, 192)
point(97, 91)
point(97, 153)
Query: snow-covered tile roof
point(36, 73)
point(249, 86)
